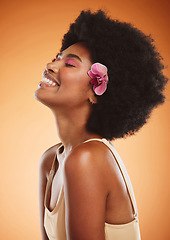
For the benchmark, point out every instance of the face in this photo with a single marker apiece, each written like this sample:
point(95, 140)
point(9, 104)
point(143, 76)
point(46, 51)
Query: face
point(65, 82)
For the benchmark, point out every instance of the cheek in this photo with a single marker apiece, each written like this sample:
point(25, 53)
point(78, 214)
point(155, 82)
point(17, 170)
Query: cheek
point(74, 78)
point(67, 77)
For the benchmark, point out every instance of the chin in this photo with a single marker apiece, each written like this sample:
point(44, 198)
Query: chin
point(38, 95)
point(44, 98)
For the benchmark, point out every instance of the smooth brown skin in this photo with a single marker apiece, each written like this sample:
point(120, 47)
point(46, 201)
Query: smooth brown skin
point(94, 189)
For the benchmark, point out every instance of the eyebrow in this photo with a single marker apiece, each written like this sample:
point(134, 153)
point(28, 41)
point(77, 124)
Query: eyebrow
point(70, 55)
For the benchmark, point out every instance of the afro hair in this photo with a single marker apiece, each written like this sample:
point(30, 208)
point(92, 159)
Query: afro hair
point(135, 70)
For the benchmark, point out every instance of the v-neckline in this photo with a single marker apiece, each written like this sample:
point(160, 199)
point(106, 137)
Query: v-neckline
point(49, 185)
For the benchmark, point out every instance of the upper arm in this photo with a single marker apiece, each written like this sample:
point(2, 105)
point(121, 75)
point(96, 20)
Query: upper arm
point(85, 195)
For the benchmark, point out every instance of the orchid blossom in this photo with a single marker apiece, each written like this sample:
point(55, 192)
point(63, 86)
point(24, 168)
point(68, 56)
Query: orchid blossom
point(99, 76)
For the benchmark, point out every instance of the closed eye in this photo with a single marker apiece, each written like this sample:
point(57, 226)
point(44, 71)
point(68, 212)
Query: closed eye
point(69, 65)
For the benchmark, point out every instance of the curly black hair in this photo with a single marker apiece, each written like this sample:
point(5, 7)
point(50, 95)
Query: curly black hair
point(135, 70)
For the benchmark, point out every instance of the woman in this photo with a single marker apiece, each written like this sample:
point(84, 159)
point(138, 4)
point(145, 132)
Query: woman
point(101, 86)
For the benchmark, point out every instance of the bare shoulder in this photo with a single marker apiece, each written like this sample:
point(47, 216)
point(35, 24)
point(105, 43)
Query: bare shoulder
point(92, 158)
point(92, 152)
point(47, 159)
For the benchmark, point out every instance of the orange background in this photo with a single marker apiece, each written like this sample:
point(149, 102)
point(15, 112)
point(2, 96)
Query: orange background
point(30, 36)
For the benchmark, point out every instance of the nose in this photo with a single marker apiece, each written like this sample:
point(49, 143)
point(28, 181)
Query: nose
point(52, 67)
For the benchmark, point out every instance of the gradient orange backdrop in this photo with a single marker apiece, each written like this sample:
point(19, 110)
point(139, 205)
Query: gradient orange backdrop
point(31, 33)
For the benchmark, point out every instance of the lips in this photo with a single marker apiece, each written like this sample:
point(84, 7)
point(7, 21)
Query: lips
point(48, 80)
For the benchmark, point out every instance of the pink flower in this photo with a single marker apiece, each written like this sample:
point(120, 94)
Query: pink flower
point(99, 76)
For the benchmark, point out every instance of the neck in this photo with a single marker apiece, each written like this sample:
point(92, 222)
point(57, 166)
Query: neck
point(71, 127)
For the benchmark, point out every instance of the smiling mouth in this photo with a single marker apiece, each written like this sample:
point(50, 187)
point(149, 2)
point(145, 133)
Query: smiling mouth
point(48, 81)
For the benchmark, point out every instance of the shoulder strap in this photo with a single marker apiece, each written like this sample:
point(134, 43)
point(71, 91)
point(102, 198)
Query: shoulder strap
point(50, 178)
point(54, 160)
point(122, 169)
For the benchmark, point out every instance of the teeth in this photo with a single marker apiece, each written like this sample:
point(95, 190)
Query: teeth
point(46, 80)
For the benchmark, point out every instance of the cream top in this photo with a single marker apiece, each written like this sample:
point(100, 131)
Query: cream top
point(54, 221)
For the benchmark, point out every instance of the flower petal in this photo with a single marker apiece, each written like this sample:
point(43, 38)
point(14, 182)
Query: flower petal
point(99, 69)
point(106, 79)
point(91, 75)
point(99, 90)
